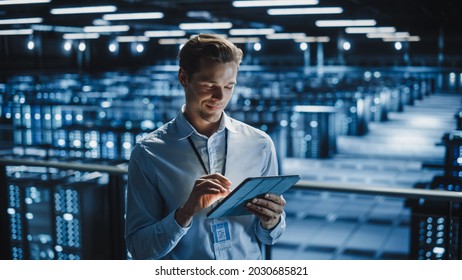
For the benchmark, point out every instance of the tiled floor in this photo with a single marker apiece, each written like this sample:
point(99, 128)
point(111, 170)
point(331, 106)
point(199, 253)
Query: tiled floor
point(323, 226)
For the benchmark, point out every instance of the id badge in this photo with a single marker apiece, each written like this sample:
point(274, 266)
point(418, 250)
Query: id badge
point(221, 237)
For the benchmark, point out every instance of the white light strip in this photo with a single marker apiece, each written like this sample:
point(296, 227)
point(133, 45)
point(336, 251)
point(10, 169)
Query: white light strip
point(108, 28)
point(387, 35)
point(133, 16)
point(165, 33)
point(61, 29)
point(245, 4)
point(404, 39)
point(172, 41)
point(213, 25)
point(364, 30)
point(80, 36)
point(18, 2)
point(345, 23)
point(305, 11)
point(16, 32)
point(83, 10)
point(284, 36)
point(251, 31)
point(321, 39)
point(243, 40)
point(21, 20)
point(129, 39)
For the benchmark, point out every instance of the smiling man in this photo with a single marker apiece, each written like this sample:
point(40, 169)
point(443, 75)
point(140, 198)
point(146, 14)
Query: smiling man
point(179, 171)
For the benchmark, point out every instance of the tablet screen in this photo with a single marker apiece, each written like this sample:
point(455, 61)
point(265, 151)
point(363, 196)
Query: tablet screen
point(234, 203)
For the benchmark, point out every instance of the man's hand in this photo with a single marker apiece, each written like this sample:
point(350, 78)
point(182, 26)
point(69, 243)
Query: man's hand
point(207, 189)
point(268, 208)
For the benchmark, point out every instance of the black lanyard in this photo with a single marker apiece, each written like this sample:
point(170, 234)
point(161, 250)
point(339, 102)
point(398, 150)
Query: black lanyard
point(202, 161)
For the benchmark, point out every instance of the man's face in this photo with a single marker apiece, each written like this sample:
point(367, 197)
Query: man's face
point(209, 90)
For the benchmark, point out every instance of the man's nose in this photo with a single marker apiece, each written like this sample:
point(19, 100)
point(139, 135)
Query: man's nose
point(217, 93)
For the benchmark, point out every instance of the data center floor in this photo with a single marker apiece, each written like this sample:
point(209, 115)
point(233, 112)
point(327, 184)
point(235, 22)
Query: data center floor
point(396, 153)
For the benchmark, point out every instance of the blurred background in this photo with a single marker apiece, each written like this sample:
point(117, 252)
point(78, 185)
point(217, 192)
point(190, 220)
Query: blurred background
point(362, 99)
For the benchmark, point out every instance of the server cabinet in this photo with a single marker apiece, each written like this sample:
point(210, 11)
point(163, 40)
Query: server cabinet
point(58, 216)
point(436, 226)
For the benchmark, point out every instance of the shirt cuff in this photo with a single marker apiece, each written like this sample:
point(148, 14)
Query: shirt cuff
point(171, 225)
point(270, 236)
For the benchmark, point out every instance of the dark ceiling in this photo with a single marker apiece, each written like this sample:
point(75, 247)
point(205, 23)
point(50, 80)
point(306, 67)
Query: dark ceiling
point(429, 19)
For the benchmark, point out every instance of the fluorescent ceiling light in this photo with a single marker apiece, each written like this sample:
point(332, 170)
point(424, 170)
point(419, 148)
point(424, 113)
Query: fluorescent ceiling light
point(345, 23)
point(165, 33)
point(387, 35)
point(268, 3)
point(108, 28)
point(172, 41)
point(133, 16)
point(311, 39)
point(17, 2)
point(61, 29)
point(21, 20)
point(403, 39)
point(284, 36)
point(129, 39)
point(251, 31)
point(83, 10)
point(16, 32)
point(80, 36)
point(364, 30)
point(212, 25)
point(305, 11)
point(243, 40)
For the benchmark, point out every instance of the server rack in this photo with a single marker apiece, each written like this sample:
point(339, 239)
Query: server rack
point(62, 216)
point(436, 229)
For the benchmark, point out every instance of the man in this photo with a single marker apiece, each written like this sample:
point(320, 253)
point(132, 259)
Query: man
point(178, 171)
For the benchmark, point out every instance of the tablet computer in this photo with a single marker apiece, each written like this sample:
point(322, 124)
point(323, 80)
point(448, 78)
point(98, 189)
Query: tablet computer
point(234, 203)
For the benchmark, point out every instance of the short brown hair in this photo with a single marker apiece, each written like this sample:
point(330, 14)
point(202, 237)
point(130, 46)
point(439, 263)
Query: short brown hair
point(209, 47)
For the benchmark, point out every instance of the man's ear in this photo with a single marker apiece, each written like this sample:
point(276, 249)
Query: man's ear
point(182, 77)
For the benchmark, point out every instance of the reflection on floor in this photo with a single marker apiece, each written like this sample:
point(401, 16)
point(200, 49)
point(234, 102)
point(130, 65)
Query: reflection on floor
point(323, 226)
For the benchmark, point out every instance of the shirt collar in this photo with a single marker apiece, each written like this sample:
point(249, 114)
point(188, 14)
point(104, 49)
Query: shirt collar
point(185, 129)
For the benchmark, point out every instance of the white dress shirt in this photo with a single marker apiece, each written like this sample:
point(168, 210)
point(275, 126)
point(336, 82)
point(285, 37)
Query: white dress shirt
point(162, 171)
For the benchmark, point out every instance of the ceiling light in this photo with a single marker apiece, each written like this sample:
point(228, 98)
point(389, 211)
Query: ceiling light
point(79, 36)
point(305, 11)
point(173, 41)
point(129, 39)
point(346, 46)
point(16, 32)
point(387, 35)
point(402, 39)
point(284, 36)
point(212, 25)
point(21, 20)
point(67, 46)
point(17, 2)
point(82, 46)
point(345, 23)
point(165, 33)
point(30, 45)
point(133, 16)
point(244, 40)
point(311, 39)
point(364, 30)
point(267, 3)
point(83, 10)
point(108, 28)
point(251, 31)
